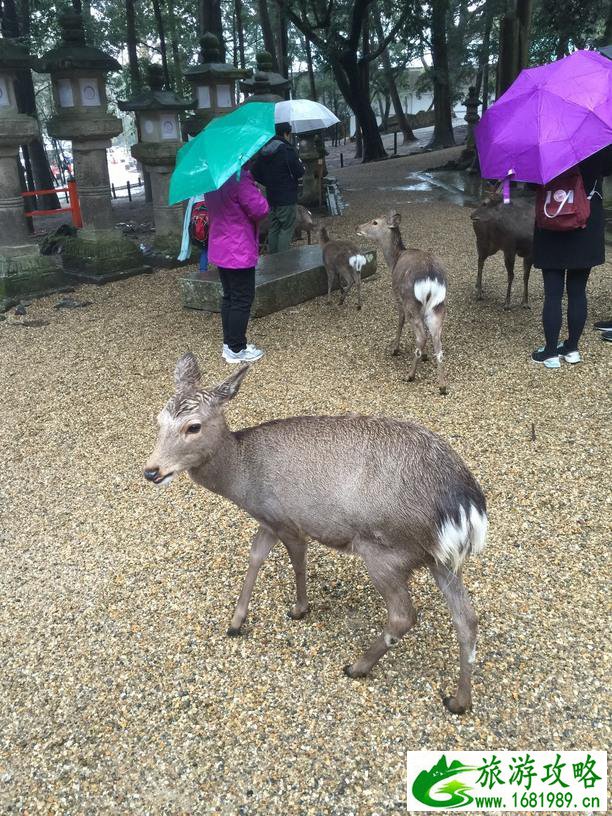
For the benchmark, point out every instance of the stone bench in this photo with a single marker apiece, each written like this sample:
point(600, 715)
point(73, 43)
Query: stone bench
point(281, 280)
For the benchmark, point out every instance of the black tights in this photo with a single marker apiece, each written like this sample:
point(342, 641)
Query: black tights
point(238, 293)
point(554, 284)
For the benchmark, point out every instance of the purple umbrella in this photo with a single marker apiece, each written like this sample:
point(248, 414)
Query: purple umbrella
point(549, 119)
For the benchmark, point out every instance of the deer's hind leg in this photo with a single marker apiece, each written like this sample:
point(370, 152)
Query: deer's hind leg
point(466, 626)
point(509, 261)
point(262, 543)
point(420, 337)
point(401, 319)
point(527, 263)
point(297, 548)
point(390, 576)
point(435, 321)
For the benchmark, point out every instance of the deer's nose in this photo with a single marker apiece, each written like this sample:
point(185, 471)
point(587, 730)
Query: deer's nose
point(151, 474)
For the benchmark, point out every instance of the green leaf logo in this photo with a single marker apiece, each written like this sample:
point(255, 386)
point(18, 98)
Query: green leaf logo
point(455, 791)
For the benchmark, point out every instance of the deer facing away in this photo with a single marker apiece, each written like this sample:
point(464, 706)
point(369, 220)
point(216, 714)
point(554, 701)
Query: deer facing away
point(343, 260)
point(419, 284)
point(509, 228)
point(391, 492)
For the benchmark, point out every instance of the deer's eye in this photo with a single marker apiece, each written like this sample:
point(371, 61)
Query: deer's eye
point(375, 223)
point(194, 429)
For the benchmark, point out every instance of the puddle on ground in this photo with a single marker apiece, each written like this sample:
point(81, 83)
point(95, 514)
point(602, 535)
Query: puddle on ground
point(464, 189)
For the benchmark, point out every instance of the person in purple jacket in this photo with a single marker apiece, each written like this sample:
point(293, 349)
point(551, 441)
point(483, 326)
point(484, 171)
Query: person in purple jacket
point(234, 212)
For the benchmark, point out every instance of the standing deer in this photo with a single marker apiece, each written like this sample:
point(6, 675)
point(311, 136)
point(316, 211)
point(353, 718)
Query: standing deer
point(343, 260)
point(509, 228)
point(391, 492)
point(419, 284)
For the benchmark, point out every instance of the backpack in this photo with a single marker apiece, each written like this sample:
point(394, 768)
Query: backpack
point(562, 204)
point(198, 224)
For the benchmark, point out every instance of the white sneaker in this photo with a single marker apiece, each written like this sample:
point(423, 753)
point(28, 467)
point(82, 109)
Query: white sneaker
point(572, 357)
point(247, 355)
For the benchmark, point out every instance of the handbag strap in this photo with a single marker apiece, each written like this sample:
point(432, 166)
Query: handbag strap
point(559, 208)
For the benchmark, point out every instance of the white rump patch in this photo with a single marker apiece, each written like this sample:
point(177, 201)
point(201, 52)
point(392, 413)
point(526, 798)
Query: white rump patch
point(457, 540)
point(430, 292)
point(357, 262)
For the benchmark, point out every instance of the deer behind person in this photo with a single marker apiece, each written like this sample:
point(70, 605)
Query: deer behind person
point(509, 228)
point(419, 284)
point(343, 260)
point(391, 492)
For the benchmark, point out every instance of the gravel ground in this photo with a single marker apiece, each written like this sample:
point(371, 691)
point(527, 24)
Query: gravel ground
point(120, 692)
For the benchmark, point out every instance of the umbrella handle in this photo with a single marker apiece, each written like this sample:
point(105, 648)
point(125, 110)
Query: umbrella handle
point(506, 186)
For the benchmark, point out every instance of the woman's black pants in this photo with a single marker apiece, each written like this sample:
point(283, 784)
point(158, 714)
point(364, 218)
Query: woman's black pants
point(554, 284)
point(238, 293)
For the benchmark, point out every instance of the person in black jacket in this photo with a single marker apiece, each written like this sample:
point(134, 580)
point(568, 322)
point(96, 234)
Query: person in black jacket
point(279, 169)
point(574, 252)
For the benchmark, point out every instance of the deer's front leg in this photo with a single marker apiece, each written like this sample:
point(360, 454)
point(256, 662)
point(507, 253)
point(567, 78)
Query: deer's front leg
point(297, 553)
point(262, 543)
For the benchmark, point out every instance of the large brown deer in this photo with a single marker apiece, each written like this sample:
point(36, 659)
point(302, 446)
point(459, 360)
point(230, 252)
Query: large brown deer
point(507, 228)
point(391, 492)
point(419, 284)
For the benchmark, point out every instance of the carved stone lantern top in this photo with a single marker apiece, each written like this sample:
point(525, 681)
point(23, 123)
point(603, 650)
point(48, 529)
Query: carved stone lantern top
point(15, 128)
point(214, 85)
point(155, 97)
point(159, 134)
point(78, 76)
point(210, 65)
point(266, 85)
point(74, 52)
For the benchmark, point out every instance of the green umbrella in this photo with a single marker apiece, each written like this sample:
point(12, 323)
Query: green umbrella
point(206, 162)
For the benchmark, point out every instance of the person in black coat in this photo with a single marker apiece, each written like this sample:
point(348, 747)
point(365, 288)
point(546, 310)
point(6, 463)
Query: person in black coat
point(279, 169)
point(573, 252)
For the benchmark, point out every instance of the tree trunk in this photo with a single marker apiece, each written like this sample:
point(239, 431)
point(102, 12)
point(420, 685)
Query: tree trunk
point(131, 45)
point(266, 28)
point(240, 32)
point(311, 76)
point(508, 63)
point(283, 41)
point(159, 20)
point(359, 101)
point(443, 121)
point(524, 10)
point(210, 20)
point(177, 64)
point(483, 56)
point(393, 92)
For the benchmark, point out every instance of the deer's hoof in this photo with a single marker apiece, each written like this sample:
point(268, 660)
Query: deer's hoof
point(525, 306)
point(298, 614)
point(424, 357)
point(444, 389)
point(410, 378)
point(507, 307)
point(395, 352)
point(234, 631)
point(350, 672)
point(454, 706)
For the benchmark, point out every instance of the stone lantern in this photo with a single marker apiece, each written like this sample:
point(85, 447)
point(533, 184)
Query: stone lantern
point(78, 76)
point(265, 85)
point(159, 138)
point(214, 85)
point(23, 271)
point(469, 156)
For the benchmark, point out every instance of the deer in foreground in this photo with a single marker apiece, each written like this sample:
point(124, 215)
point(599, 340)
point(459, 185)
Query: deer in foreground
point(509, 228)
point(343, 260)
point(419, 284)
point(391, 492)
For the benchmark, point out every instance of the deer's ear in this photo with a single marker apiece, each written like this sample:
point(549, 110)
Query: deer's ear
point(228, 389)
point(393, 219)
point(187, 371)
